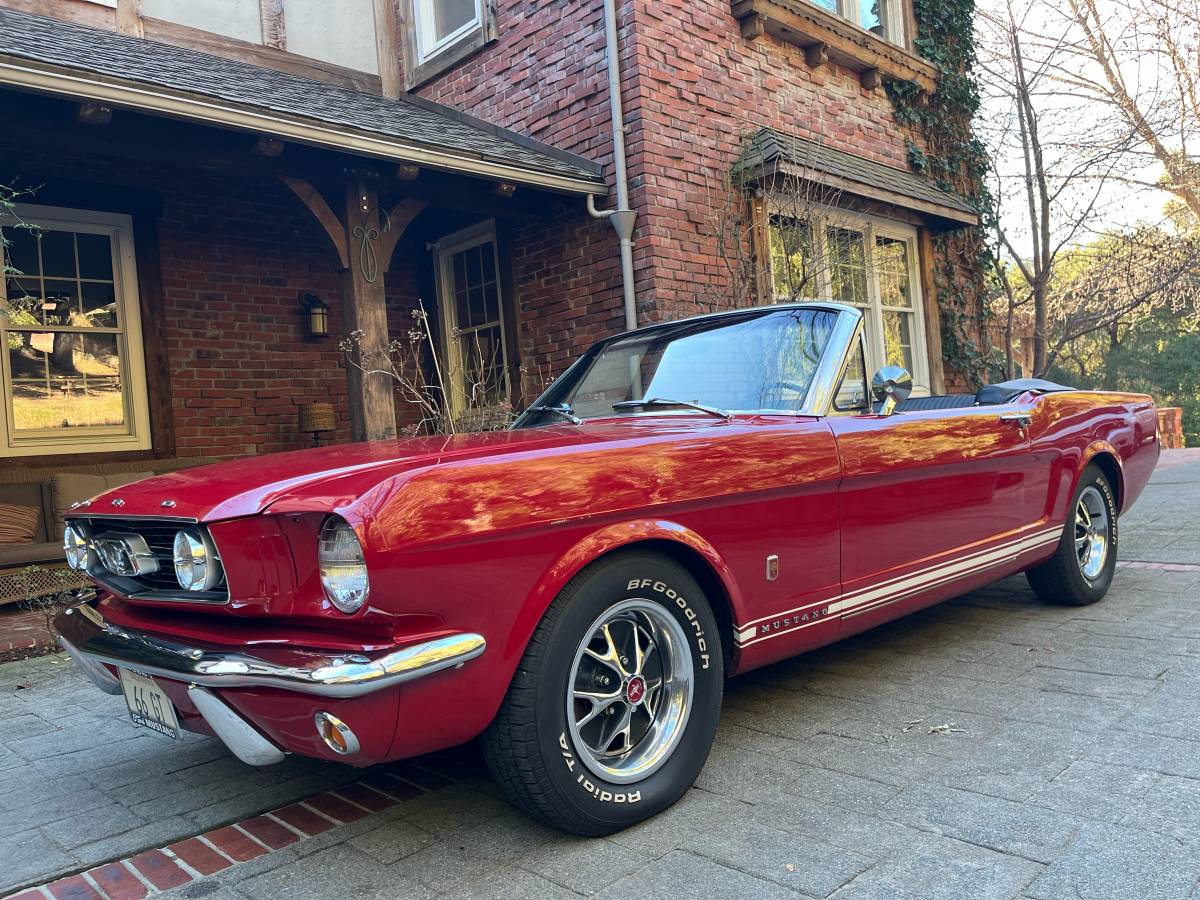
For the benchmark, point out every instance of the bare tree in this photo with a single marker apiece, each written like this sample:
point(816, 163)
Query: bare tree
point(1054, 181)
point(1141, 60)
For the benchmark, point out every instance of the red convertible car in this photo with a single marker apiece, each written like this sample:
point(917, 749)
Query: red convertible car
point(688, 501)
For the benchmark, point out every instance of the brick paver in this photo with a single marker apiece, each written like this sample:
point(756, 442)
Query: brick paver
point(989, 747)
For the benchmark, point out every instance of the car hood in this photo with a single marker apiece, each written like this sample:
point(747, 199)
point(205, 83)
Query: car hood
point(331, 478)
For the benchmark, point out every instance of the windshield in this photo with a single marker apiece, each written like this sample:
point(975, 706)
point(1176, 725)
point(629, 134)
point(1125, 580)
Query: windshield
point(759, 362)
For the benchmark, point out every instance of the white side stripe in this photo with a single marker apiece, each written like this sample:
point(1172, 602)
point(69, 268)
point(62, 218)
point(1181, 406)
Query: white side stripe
point(897, 588)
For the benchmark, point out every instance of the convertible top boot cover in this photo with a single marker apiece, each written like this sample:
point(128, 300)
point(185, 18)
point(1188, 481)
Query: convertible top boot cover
point(1005, 391)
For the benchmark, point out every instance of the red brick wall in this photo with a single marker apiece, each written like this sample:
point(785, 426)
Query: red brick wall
point(692, 88)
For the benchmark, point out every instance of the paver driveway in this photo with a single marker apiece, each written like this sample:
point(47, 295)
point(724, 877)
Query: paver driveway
point(989, 747)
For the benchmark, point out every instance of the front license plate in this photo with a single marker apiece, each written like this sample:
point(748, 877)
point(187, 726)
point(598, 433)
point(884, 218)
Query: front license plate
point(148, 705)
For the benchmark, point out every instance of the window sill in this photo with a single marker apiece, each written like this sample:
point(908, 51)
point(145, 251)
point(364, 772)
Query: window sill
point(827, 37)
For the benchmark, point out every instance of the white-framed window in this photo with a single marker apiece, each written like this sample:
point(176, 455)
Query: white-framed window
point(440, 24)
point(473, 319)
point(864, 262)
point(883, 18)
point(72, 372)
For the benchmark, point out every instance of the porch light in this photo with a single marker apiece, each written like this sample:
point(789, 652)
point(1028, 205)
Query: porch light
point(317, 315)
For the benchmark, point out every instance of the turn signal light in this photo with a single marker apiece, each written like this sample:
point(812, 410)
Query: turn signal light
point(336, 734)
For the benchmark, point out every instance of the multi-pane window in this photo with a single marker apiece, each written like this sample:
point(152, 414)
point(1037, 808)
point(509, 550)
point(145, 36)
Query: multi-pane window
point(441, 23)
point(473, 321)
point(864, 263)
point(72, 370)
point(880, 17)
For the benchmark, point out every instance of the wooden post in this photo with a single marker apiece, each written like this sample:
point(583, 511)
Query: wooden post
point(129, 17)
point(387, 49)
point(933, 319)
point(372, 399)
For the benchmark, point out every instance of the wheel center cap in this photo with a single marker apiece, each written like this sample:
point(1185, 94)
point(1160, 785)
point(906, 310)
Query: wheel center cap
point(635, 690)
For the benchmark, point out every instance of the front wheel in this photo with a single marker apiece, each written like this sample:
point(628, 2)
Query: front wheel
point(614, 707)
point(1082, 569)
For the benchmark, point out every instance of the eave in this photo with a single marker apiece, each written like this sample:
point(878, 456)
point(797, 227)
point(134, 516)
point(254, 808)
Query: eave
point(824, 35)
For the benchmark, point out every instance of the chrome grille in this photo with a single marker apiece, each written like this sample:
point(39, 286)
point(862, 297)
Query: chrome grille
point(159, 535)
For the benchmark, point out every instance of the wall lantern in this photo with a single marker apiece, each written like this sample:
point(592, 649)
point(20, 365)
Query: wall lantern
point(316, 316)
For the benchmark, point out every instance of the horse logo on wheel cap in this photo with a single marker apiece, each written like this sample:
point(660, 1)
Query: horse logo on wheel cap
point(635, 690)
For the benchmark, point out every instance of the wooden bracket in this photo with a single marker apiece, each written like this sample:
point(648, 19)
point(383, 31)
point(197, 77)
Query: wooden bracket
point(399, 217)
point(311, 197)
point(816, 55)
point(870, 79)
point(753, 26)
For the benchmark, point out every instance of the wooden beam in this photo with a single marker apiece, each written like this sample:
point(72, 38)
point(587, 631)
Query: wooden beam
point(387, 48)
point(364, 310)
point(129, 17)
point(274, 30)
point(311, 197)
point(399, 217)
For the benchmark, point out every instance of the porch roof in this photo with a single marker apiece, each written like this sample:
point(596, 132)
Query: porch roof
point(770, 151)
point(65, 59)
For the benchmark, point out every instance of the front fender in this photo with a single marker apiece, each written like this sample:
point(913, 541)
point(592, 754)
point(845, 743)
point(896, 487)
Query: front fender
point(603, 541)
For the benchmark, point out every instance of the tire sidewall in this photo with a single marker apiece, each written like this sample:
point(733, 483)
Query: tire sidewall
point(1098, 587)
point(610, 805)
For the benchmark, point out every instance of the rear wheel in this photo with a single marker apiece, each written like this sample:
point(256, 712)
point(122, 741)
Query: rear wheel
point(1082, 568)
point(614, 706)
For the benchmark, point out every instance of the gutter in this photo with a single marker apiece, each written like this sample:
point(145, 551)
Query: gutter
point(210, 112)
point(622, 218)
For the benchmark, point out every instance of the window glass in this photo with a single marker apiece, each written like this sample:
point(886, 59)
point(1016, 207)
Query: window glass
point(475, 326)
point(847, 266)
point(852, 392)
point(66, 370)
point(760, 362)
point(870, 266)
point(442, 22)
point(872, 15)
point(794, 261)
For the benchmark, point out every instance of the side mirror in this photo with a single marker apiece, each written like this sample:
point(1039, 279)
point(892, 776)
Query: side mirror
point(891, 385)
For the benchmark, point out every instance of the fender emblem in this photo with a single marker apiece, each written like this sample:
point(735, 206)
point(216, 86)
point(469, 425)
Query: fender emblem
point(117, 501)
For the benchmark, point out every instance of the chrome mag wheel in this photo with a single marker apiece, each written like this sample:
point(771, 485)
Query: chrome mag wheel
point(1093, 532)
point(630, 691)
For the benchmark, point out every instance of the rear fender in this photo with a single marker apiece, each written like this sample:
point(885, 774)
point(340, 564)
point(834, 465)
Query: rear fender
point(1112, 465)
point(596, 545)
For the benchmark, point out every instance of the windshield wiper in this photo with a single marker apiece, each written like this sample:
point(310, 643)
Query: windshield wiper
point(663, 401)
point(560, 410)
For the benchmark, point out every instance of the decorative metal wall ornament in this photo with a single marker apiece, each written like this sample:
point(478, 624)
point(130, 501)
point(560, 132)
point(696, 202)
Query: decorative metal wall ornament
point(367, 235)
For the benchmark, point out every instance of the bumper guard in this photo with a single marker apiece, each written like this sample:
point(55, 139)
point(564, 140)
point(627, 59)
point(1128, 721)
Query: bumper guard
point(92, 640)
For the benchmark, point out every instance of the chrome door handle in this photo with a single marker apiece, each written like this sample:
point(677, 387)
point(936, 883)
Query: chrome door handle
point(1022, 419)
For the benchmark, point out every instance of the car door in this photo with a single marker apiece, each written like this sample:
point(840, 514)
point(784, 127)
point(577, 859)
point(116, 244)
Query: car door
point(928, 497)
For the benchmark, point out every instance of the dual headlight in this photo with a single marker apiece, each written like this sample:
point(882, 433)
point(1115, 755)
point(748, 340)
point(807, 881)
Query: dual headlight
point(343, 568)
point(197, 567)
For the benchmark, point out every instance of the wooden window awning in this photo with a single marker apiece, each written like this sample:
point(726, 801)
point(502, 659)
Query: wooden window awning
point(770, 153)
point(826, 36)
point(92, 64)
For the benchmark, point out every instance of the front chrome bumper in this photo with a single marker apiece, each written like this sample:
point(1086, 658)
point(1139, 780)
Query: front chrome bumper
point(91, 640)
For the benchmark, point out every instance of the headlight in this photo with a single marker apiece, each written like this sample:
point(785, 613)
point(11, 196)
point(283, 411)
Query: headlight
point(343, 569)
point(77, 547)
point(196, 565)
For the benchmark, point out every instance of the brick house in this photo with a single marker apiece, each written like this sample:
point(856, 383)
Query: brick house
point(206, 175)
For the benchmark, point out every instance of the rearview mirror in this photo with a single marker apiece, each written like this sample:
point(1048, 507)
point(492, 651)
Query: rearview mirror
point(891, 385)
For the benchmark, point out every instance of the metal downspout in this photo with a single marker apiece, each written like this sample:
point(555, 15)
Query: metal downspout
point(622, 218)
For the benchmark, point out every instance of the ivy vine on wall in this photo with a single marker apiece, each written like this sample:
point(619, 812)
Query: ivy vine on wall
point(952, 157)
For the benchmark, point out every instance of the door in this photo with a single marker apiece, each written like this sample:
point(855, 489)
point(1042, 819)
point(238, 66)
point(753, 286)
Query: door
point(929, 497)
point(474, 326)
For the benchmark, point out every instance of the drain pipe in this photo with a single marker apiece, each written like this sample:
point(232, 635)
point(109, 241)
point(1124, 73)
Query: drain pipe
point(622, 218)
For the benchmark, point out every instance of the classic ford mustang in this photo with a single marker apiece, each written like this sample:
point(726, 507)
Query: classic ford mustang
point(688, 501)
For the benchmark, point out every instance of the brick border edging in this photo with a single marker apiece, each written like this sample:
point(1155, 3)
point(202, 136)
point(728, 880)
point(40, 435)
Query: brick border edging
point(160, 869)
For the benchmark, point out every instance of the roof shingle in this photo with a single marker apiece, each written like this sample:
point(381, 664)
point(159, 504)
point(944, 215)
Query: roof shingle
point(96, 55)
